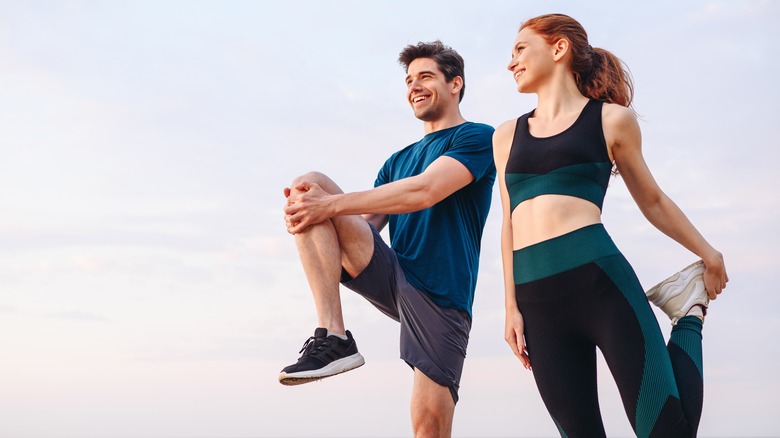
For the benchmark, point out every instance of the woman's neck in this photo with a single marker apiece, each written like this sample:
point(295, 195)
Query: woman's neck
point(559, 95)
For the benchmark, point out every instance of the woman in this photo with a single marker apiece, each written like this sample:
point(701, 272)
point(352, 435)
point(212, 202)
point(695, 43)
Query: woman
point(568, 288)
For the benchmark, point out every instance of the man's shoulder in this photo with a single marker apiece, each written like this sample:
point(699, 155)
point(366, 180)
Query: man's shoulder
point(475, 128)
point(473, 134)
point(466, 131)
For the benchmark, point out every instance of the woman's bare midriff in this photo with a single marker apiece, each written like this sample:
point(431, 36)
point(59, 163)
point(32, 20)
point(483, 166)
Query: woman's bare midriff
point(546, 216)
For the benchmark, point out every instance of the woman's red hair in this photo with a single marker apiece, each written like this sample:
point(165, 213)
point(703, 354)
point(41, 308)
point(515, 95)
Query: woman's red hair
point(598, 73)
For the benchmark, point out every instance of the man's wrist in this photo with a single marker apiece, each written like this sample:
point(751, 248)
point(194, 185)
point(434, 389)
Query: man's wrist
point(336, 204)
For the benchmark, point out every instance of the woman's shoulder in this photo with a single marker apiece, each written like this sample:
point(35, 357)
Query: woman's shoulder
point(617, 115)
point(504, 133)
point(620, 125)
point(508, 126)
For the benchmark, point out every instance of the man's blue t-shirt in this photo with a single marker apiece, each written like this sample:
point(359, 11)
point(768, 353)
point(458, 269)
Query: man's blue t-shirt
point(438, 248)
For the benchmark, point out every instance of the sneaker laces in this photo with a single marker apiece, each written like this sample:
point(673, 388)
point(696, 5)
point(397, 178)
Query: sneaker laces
point(312, 346)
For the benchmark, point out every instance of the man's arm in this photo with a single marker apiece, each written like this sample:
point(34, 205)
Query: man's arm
point(310, 205)
point(377, 220)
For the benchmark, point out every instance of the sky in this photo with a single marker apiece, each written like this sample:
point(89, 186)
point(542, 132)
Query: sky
point(148, 287)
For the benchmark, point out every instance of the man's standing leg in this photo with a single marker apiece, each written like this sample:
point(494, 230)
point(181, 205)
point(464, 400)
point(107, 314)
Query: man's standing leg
point(432, 408)
point(324, 248)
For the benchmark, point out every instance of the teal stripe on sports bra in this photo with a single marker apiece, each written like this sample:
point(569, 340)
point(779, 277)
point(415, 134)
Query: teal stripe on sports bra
point(584, 180)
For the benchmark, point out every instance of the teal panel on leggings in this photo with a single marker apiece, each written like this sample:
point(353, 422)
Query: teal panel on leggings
point(687, 335)
point(562, 253)
point(658, 367)
point(560, 429)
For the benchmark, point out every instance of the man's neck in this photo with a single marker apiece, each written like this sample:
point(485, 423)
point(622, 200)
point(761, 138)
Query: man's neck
point(445, 122)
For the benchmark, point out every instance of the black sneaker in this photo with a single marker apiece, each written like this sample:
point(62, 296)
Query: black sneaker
point(323, 356)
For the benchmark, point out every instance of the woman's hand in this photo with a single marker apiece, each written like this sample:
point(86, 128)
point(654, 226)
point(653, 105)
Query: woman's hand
point(715, 276)
point(514, 336)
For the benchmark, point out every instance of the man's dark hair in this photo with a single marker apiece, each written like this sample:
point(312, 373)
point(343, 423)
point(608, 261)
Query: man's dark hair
point(448, 60)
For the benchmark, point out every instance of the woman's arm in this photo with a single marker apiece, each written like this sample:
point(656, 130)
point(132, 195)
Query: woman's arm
point(502, 142)
point(624, 140)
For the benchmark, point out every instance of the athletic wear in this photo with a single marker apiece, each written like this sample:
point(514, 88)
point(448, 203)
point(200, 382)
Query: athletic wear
point(679, 293)
point(433, 338)
point(438, 247)
point(574, 162)
point(323, 356)
point(426, 280)
point(577, 292)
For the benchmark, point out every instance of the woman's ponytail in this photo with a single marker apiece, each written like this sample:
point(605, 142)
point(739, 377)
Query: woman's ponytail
point(598, 73)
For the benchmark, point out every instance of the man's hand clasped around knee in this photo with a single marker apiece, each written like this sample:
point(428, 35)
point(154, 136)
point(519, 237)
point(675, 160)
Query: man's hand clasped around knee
point(307, 204)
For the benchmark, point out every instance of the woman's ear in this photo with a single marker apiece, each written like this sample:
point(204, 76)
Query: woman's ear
point(560, 49)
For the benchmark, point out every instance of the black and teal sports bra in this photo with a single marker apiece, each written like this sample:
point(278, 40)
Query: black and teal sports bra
point(574, 162)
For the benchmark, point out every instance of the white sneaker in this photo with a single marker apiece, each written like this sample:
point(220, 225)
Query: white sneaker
point(679, 293)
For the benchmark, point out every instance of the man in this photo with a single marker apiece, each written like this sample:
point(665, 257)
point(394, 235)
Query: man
point(435, 194)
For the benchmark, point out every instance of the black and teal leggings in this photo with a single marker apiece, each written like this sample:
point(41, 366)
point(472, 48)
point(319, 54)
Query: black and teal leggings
point(577, 292)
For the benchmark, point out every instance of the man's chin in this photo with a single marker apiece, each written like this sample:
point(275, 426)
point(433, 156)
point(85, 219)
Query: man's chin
point(428, 116)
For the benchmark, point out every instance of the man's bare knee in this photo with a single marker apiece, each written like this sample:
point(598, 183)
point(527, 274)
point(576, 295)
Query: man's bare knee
point(319, 178)
point(432, 407)
point(312, 176)
point(431, 422)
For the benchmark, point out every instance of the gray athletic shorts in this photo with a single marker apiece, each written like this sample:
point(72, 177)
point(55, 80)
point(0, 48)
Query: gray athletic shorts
point(433, 338)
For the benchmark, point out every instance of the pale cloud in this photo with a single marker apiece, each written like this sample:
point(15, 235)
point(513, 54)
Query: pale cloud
point(727, 10)
point(78, 315)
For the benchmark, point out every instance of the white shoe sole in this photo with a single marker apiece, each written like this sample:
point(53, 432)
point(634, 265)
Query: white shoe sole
point(687, 284)
point(334, 368)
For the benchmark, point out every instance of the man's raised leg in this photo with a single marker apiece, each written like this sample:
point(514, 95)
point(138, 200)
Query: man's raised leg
point(324, 248)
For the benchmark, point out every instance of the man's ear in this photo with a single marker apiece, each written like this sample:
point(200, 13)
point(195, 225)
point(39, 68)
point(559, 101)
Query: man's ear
point(456, 85)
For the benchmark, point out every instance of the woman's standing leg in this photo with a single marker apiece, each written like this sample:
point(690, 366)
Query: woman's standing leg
point(660, 385)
